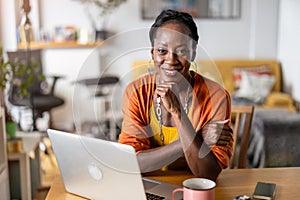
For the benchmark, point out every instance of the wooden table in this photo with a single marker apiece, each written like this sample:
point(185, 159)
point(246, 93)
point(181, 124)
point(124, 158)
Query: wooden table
point(230, 183)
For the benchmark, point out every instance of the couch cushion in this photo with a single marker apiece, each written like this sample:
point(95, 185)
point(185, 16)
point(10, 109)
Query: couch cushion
point(259, 70)
point(280, 100)
point(255, 87)
point(225, 68)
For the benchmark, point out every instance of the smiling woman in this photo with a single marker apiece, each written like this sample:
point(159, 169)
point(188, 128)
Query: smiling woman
point(176, 118)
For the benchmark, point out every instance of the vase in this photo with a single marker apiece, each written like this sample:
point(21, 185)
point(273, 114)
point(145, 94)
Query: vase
point(101, 35)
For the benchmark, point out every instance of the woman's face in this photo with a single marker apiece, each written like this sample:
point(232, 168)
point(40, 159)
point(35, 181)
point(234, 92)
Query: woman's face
point(172, 52)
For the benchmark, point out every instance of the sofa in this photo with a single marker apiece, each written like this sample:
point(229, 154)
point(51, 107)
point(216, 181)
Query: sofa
point(266, 77)
point(274, 139)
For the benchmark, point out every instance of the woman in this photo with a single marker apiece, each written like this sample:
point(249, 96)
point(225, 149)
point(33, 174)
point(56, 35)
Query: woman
point(176, 113)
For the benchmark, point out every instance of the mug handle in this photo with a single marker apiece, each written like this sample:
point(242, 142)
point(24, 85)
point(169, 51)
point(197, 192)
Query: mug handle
point(176, 190)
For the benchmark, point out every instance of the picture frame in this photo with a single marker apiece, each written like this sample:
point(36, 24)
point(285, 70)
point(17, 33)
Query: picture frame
point(206, 9)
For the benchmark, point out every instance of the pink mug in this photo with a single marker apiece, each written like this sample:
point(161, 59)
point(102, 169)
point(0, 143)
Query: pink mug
point(197, 188)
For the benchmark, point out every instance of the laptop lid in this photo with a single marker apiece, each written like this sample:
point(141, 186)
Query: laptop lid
point(95, 168)
point(100, 169)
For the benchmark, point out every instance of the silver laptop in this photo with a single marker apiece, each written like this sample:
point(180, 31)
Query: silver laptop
point(100, 169)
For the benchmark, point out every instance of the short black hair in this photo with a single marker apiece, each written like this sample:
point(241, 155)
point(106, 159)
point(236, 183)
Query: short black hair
point(174, 16)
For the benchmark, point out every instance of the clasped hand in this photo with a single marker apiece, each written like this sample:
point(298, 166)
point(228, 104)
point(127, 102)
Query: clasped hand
point(214, 133)
point(217, 133)
point(169, 96)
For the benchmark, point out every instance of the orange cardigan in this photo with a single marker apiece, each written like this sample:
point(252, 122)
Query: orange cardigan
point(211, 102)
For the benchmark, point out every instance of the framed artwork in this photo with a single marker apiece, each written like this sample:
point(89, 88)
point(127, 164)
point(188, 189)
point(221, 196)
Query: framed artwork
point(197, 8)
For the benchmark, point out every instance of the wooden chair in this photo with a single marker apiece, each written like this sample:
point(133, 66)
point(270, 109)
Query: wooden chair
point(241, 123)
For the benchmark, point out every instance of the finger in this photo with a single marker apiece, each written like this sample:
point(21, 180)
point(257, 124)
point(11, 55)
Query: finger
point(222, 143)
point(218, 130)
point(225, 138)
point(220, 124)
point(171, 86)
point(221, 121)
point(167, 91)
point(167, 83)
point(162, 89)
point(217, 125)
point(213, 125)
point(226, 132)
point(214, 138)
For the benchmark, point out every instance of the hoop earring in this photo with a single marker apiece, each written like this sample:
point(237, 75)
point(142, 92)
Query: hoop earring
point(194, 67)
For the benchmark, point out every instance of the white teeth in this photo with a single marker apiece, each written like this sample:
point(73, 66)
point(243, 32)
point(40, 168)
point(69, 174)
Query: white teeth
point(170, 71)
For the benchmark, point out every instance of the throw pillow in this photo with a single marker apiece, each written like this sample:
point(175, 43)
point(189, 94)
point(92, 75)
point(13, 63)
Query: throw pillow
point(259, 70)
point(255, 87)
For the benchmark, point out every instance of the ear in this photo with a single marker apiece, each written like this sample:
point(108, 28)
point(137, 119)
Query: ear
point(193, 55)
point(152, 52)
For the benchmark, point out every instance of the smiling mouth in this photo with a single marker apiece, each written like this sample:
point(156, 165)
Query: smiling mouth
point(171, 72)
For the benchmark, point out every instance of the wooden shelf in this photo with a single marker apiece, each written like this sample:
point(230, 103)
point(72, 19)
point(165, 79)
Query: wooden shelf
point(58, 45)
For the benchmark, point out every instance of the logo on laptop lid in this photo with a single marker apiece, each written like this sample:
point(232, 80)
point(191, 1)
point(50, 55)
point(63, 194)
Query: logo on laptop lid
point(95, 172)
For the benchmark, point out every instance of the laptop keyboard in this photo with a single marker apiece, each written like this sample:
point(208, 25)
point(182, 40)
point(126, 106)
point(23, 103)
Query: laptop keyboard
point(151, 196)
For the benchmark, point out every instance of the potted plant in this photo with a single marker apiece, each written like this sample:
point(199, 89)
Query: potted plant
point(4, 79)
point(98, 12)
point(10, 74)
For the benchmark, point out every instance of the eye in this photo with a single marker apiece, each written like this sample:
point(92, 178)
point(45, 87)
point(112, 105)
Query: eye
point(182, 52)
point(161, 51)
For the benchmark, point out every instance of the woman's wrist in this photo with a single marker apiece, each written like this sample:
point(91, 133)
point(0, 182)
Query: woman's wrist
point(178, 116)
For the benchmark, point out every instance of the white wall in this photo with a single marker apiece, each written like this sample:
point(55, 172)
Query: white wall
point(289, 44)
point(1, 17)
point(8, 28)
point(254, 35)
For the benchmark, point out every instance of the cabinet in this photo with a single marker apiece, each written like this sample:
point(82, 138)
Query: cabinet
point(4, 183)
point(24, 167)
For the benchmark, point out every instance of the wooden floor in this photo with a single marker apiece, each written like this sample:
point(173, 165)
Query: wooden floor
point(49, 171)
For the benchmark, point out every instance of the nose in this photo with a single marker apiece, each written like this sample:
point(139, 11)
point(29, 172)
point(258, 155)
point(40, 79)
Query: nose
point(171, 57)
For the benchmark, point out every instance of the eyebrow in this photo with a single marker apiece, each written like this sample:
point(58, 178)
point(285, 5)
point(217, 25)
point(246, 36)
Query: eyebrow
point(180, 45)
